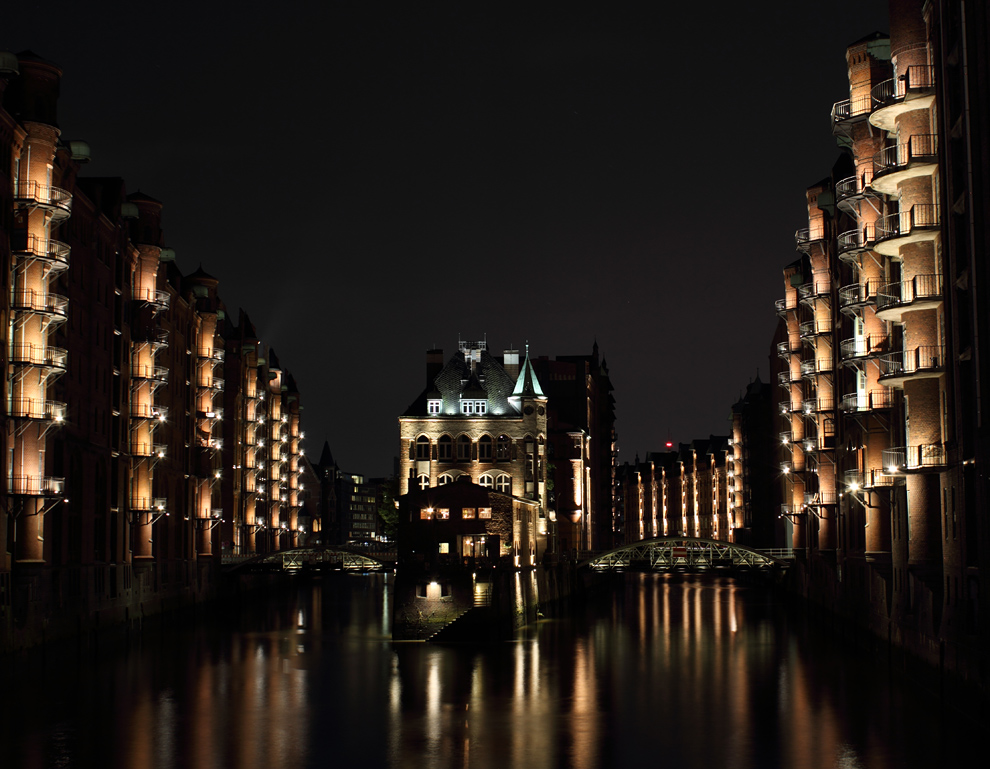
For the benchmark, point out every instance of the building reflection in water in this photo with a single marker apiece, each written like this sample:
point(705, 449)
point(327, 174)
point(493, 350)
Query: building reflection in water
point(666, 670)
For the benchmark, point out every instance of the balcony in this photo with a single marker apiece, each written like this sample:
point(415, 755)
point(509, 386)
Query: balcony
point(820, 498)
point(214, 384)
point(813, 406)
point(43, 356)
point(53, 199)
point(38, 409)
point(783, 306)
point(808, 237)
point(54, 252)
point(157, 450)
point(784, 379)
point(874, 400)
point(860, 348)
point(159, 300)
point(915, 89)
point(922, 362)
point(149, 411)
point(918, 156)
point(811, 328)
point(786, 407)
point(919, 224)
point(810, 368)
point(785, 351)
point(851, 243)
point(40, 302)
point(153, 373)
point(856, 296)
point(36, 485)
point(215, 354)
point(850, 111)
point(856, 480)
point(852, 189)
point(922, 292)
point(809, 293)
point(149, 504)
point(925, 457)
point(790, 511)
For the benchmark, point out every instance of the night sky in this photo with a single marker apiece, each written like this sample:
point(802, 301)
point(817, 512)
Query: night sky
point(368, 183)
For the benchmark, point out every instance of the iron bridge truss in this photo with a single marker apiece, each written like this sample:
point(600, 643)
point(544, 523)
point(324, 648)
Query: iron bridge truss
point(682, 553)
point(314, 557)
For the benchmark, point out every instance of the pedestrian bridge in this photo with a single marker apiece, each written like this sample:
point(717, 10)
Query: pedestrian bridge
point(683, 554)
point(301, 558)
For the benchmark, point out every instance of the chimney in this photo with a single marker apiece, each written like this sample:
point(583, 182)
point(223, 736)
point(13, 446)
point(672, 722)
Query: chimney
point(510, 362)
point(434, 365)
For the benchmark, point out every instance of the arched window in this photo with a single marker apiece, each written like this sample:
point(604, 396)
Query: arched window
point(445, 445)
point(463, 448)
point(422, 447)
point(485, 448)
point(502, 449)
point(487, 481)
point(444, 479)
point(503, 484)
point(424, 482)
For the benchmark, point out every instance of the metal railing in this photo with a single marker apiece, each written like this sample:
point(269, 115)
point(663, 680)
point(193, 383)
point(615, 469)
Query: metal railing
point(54, 251)
point(919, 457)
point(814, 327)
point(898, 156)
point(908, 291)
point(36, 485)
point(148, 504)
point(816, 366)
point(784, 305)
point(37, 408)
point(851, 108)
point(863, 346)
point(40, 301)
point(919, 77)
point(857, 294)
point(39, 355)
point(867, 401)
point(154, 373)
point(44, 195)
point(921, 216)
point(923, 358)
point(804, 237)
point(160, 299)
point(149, 411)
point(813, 291)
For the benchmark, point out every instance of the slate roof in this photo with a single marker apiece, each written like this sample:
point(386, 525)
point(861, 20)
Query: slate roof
point(489, 380)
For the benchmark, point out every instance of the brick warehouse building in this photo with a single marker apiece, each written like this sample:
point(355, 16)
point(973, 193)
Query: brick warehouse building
point(883, 359)
point(124, 480)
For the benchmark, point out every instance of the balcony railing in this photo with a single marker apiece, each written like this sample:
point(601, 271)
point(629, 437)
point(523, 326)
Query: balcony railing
point(810, 292)
point(36, 485)
point(784, 350)
point(143, 449)
point(920, 218)
point(39, 355)
point(154, 373)
point(868, 346)
point(818, 498)
point(917, 289)
point(149, 411)
point(149, 504)
point(44, 195)
point(858, 294)
point(918, 78)
point(868, 401)
point(814, 327)
point(805, 237)
point(53, 251)
point(919, 147)
point(783, 306)
point(160, 299)
point(215, 354)
point(816, 405)
point(850, 109)
point(926, 358)
point(37, 408)
point(925, 456)
point(29, 300)
point(816, 366)
point(853, 186)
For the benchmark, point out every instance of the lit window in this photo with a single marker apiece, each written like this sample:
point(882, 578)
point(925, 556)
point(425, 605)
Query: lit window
point(467, 512)
point(444, 548)
point(445, 445)
point(467, 407)
point(484, 512)
point(485, 448)
point(443, 513)
point(433, 406)
point(481, 407)
point(443, 480)
point(424, 482)
point(463, 448)
point(503, 484)
point(426, 514)
point(487, 481)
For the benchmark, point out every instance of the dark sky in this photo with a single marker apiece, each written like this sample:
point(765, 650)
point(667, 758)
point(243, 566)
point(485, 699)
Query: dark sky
point(369, 183)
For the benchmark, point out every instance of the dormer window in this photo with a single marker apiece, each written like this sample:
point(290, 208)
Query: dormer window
point(474, 406)
point(467, 407)
point(433, 406)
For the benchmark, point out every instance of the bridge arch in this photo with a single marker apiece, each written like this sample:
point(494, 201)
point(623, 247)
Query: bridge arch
point(688, 553)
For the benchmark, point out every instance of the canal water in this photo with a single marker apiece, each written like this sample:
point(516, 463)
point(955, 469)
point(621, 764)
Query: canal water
point(661, 671)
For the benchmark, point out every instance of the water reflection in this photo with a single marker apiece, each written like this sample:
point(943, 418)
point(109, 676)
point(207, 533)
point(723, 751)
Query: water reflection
point(659, 671)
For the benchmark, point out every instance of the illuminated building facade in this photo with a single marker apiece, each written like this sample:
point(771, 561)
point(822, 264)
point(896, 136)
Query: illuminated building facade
point(480, 419)
point(882, 362)
point(118, 490)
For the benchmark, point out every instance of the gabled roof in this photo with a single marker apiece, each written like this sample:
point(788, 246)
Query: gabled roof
point(527, 384)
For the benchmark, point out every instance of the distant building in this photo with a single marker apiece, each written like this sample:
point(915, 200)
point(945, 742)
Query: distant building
point(478, 419)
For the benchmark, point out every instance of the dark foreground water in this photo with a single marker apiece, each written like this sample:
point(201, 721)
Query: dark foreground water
point(665, 671)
